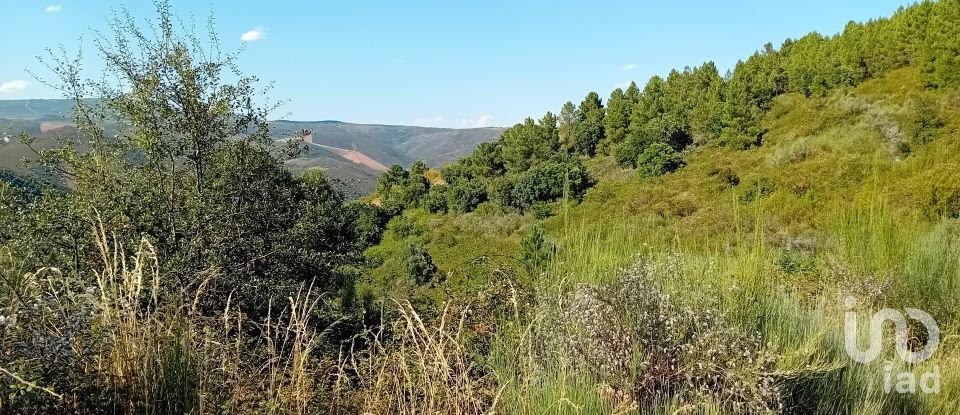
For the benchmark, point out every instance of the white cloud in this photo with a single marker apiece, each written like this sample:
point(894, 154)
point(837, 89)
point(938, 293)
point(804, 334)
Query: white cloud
point(629, 67)
point(479, 122)
point(13, 86)
point(254, 35)
point(622, 85)
point(54, 8)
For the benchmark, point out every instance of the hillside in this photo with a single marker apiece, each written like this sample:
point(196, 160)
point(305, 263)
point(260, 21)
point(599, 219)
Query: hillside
point(780, 239)
point(346, 143)
point(385, 145)
point(768, 203)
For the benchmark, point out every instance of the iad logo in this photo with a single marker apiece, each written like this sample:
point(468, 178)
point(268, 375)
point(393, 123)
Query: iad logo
point(906, 382)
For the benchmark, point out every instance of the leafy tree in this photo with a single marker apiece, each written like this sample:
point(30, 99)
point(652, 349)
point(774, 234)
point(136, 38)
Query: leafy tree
point(436, 201)
point(559, 178)
point(398, 188)
point(371, 222)
point(391, 189)
point(178, 151)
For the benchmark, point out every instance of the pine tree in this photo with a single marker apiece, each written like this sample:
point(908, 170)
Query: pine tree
point(569, 118)
point(616, 121)
point(589, 131)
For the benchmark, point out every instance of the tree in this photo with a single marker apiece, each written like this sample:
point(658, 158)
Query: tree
point(940, 58)
point(535, 250)
point(564, 176)
point(463, 196)
point(436, 201)
point(391, 189)
point(589, 129)
point(528, 144)
point(569, 118)
point(706, 112)
point(179, 151)
point(617, 120)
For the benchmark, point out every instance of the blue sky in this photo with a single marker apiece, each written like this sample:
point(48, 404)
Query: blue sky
point(441, 63)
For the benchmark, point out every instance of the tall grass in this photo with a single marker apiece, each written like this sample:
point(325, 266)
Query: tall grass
point(417, 367)
point(123, 348)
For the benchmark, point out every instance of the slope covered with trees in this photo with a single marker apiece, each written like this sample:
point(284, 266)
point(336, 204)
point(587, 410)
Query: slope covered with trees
point(684, 247)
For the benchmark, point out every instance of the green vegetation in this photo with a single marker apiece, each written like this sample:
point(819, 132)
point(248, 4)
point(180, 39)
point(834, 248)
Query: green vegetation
point(686, 248)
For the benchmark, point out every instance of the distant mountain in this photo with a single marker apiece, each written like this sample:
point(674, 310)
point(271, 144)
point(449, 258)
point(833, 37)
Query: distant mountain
point(355, 154)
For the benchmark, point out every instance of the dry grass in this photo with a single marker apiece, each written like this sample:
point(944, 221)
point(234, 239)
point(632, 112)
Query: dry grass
point(417, 367)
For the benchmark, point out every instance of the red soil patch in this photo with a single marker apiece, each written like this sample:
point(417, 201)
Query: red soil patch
point(356, 157)
point(51, 125)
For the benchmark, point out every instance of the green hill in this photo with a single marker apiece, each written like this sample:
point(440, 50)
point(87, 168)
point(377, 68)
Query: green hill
point(703, 244)
point(821, 170)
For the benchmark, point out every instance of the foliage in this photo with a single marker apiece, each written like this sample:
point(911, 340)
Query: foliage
point(464, 196)
point(525, 145)
point(658, 159)
point(643, 342)
point(418, 263)
point(535, 250)
point(436, 200)
point(548, 182)
point(588, 131)
point(398, 188)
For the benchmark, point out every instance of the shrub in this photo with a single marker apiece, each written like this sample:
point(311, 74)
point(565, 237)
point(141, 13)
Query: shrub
point(658, 159)
point(541, 210)
point(726, 174)
point(757, 189)
point(371, 222)
point(436, 200)
point(643, 341)
point(943, 200)
point(464, 196)
point(923, 122)
point(627, 152)
point(535, 250)
point(419, 264)
point(105, 344)
point(544, 183)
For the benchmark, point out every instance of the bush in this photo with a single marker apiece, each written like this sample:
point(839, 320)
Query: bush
point(436, 200)
point(371, 222)
point(627, 152)
point(757, 189)
point(658, 159)
point(923, 122)
point(726, 174)
point(541, 210)
point(464, 196)
point(544, 183)
point(644, 342)
point(535, 251)
point(419, 264)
